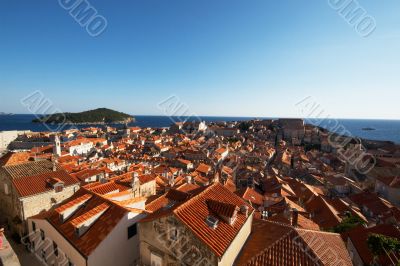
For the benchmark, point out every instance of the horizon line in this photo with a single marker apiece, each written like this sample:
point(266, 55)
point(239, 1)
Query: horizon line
point(232, 116)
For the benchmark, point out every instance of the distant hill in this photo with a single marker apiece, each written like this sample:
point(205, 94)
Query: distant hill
point(96, 116)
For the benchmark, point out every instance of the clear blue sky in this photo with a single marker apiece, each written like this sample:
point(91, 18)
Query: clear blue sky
point(221, 57)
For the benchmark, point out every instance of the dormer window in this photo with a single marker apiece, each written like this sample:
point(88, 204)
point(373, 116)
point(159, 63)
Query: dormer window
point(68, 209)
point(212, 222)
point(226, 211)
point(82, 223)
point(56, 183)
point(58, 188)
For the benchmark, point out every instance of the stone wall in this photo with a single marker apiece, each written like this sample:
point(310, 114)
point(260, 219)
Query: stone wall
point(174, 243)
point(44, 201)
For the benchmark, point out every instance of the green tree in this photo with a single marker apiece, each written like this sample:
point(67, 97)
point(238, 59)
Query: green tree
point(381, 245)
point(348, 223)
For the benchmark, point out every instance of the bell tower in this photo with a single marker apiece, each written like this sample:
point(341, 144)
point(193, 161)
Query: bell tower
point(57, 146)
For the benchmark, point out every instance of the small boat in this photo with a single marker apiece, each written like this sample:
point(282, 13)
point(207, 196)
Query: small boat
point(368, 128)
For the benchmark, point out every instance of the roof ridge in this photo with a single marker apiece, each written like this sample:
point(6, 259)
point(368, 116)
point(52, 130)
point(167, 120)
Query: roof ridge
point(194, 197)
point(292, 230)
point(331, 208)
point(255, 257)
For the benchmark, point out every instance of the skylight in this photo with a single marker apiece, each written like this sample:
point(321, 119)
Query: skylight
point(212, 221)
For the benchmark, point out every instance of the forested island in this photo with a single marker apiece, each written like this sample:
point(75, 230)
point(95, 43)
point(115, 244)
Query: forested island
point(96, 116)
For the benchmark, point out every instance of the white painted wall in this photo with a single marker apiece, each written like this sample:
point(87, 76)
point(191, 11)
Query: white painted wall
point(84, 148)
point(6, 137)
point(52, 235)
point(116, 249)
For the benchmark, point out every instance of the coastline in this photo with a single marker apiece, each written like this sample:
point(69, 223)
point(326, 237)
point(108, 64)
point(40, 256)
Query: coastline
point(386, 130)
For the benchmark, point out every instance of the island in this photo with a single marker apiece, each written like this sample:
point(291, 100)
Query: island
point(96, 116)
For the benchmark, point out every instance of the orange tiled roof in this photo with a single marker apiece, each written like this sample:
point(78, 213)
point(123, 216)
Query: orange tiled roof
point(97, 232)
point(302, 221)
point(87, 215)
point(86, 173)
point(277, 244)
point(30, 168)
point(106, 188)
point(371, 200)
point(230, 185)
point(323, 213)
point(186, 187)
point(147, 178)
point(203, 168)
point(12, 158)
point(35, 184)
point(194, 212)
point(251, 195)
point(72, 203)
point(222, 208)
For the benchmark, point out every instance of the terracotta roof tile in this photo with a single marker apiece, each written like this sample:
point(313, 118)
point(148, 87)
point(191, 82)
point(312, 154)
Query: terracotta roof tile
point(98, 231)
point(194, 212)
point(222, 208)
point(35, 184)
point(76, 222)
point(30, 168)
point(74, 202)
point(277, 244)
point(12, 158)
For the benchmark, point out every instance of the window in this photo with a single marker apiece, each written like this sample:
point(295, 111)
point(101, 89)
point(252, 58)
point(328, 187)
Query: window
point(132, 230)
point(42, 234)
point(173, 235)
point(33, 226)
point(43, 253)
point(55, 248)
point(58, 188)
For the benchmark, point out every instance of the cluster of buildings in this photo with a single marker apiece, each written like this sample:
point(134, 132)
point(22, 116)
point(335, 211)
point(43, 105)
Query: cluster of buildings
point(259, 192)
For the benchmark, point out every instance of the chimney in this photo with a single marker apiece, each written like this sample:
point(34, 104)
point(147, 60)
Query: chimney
point(244, 209)
point(295, 217)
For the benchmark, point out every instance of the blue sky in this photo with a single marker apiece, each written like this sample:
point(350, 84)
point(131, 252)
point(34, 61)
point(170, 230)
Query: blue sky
point(224, 57)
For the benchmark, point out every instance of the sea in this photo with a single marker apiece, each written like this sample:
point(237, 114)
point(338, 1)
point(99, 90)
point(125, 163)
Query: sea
point(385, 130)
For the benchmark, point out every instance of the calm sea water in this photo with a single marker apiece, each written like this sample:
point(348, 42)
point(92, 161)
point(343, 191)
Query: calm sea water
point(384, 129)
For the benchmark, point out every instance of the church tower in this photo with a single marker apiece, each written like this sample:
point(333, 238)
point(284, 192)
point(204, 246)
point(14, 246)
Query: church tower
point(57, 146)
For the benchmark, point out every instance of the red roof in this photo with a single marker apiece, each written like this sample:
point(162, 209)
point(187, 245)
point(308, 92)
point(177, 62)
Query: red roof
point(87, 215)
point(147, 178)
point(323, 213)
point(277, 244)
point(251, 195)
point(194, 212)
point(32, 185)
point(97, 232)
point(222, 208)
point(86, 173)
point(370, 200)
point(72, 203)
point(12, 158)
point(106, 188)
